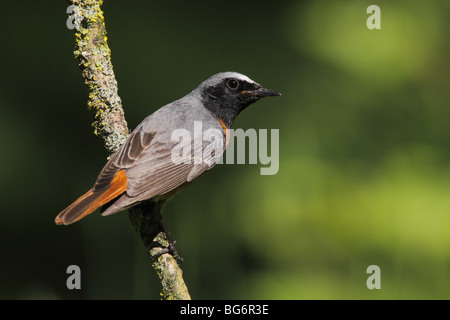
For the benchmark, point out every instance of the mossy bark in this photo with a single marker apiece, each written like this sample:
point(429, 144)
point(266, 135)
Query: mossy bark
point(149, 229)
point(94, 58)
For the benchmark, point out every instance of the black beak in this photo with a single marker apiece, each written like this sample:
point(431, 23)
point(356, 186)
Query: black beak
point(266, 93)
point(261, 92)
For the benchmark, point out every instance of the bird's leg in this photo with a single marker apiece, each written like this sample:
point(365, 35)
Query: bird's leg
point(172, 249)
point(147, 220)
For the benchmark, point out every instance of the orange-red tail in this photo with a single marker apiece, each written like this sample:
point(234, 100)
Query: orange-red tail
point(92, 200)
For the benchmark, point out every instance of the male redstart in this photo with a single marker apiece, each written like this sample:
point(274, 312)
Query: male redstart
point(143, 168)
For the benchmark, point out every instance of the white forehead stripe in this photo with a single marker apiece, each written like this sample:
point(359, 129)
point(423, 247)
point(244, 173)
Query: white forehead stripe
point(217, 78)
point(237, 76)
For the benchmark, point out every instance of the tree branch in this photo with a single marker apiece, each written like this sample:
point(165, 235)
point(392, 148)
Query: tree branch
point(94, 58)
point(149, 229)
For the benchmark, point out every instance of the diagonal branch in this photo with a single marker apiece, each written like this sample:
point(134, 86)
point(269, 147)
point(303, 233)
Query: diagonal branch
point(94, 58)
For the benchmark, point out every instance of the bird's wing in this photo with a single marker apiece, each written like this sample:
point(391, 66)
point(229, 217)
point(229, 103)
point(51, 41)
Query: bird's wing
point(157, 170)
point(125, 156)
point(151, 168)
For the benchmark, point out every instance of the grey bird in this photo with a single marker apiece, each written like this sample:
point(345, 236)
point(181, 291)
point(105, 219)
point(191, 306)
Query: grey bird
point(144, 167)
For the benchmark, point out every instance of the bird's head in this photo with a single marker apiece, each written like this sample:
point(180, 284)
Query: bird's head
point(226, 94)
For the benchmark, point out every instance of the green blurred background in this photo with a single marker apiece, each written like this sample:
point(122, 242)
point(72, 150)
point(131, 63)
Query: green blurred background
point(364, 172)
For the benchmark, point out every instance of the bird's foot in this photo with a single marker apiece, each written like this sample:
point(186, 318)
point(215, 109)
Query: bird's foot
point(171, 249)
point(174, 252)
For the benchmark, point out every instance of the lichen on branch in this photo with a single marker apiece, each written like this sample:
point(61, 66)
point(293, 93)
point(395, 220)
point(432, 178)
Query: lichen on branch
point(94, 57)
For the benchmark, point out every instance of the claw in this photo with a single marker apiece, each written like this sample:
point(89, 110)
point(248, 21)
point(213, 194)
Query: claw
point(174, 252)
point(171, 249)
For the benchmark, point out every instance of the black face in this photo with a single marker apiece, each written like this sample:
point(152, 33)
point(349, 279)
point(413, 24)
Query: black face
point(232, 95)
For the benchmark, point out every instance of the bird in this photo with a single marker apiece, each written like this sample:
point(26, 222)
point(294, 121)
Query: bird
point(143, 168)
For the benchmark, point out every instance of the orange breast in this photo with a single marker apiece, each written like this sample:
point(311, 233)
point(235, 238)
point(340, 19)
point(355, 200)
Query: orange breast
point(225, 129)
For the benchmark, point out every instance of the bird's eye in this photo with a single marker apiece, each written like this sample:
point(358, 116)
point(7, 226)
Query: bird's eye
point(233, 84)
